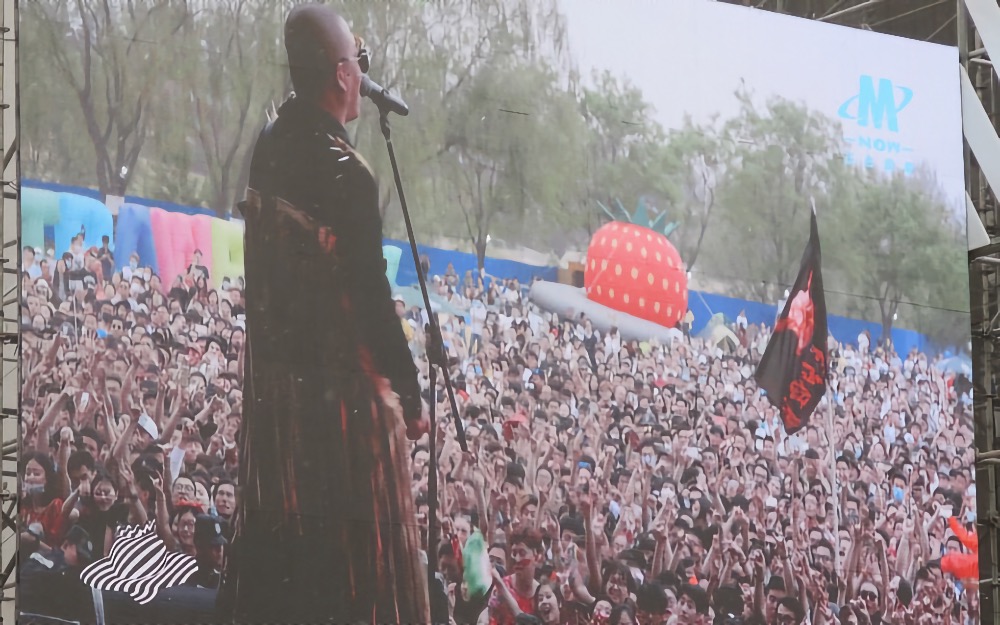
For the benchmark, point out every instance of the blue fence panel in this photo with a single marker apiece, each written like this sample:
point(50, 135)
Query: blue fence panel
point(463, 262)
point(844, 329)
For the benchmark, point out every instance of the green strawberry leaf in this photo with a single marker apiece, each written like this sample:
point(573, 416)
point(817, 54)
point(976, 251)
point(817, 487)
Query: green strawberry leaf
point(641, 217)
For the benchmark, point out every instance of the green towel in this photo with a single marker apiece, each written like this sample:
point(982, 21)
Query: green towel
point(478, 573)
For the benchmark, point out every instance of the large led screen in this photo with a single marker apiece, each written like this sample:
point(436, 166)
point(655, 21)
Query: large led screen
point(694, 347)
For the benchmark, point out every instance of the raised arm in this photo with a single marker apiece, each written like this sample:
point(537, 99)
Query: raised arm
point(178, 398)
point(62, 455)
point(44, 427)
point(373, 311)
point(121, 447)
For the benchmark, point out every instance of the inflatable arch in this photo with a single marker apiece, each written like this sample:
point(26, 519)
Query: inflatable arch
point(80, 213)
point(164, 240)
point(227, 250)
point(135, 236)
point(39, 209)
point(177, 237)
point(391, 254)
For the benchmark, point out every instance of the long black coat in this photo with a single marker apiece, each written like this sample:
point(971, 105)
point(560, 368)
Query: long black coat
point(326, 531)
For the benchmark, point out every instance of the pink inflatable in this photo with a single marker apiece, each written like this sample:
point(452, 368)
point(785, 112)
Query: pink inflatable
point(177, 238)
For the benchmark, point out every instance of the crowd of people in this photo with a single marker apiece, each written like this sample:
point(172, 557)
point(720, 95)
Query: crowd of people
point(611, 481)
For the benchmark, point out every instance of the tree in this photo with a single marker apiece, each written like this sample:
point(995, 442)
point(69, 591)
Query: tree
point(698, 157)
point(406, 59)
point(53, 148)
point(234, 44)
point(913, 252)
point(110, 55)
point(783, 158)
point(511, 170)
point(625, 153)
point(462, 168)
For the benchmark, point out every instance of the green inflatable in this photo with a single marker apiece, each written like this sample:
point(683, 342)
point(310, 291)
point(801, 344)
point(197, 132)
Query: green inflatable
point(392, 255)
point(227, 249)
point(39, 208)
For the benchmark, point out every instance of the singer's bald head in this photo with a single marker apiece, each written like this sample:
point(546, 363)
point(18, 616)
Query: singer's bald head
point(316, 39)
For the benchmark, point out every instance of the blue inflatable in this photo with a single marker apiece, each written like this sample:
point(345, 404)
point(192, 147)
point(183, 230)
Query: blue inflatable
point(82, 214)
point(135, 235)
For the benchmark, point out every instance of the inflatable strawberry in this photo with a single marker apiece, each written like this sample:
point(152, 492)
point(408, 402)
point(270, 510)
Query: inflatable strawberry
point(634, 269)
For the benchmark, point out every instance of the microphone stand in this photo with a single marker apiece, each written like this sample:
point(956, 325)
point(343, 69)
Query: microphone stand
point(435, 360)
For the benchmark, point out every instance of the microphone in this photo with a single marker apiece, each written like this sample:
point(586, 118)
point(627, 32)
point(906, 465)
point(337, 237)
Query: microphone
point(385, 101)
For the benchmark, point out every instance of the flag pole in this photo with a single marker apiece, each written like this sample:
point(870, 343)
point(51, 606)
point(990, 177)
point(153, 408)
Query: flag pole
point(834, 483)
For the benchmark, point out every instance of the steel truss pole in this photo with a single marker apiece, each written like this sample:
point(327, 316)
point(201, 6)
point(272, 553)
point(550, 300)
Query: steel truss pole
point(978, 28)
point(10, 308)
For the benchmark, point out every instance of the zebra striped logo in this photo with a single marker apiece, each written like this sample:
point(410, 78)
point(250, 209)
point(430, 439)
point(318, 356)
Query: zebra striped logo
point(139, 565)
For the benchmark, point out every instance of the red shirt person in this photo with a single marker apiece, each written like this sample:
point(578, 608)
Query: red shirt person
point(515, 593)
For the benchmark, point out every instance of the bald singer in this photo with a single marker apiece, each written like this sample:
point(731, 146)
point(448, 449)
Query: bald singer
point(326, 530)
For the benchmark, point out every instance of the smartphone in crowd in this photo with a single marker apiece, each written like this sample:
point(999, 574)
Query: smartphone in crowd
point(185, 375)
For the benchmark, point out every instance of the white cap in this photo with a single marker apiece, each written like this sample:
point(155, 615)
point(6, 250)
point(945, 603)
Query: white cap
point(146, 423)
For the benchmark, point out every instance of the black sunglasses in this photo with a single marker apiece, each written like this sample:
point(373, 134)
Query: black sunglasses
point(868, 595)
point(363, 58)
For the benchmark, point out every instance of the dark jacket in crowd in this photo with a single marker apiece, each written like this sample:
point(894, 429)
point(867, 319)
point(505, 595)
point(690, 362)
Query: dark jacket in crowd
point(51, 587)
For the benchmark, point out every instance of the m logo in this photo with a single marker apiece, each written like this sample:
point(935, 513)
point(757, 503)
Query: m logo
point(876, 106)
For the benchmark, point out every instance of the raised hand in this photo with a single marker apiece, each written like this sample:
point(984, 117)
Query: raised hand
point(880, 546)
point(84, 488)
point(857, 608)
point(550, 527)
point(586, 504)
point(758, 563)
point(659, 530)
point(189, 426)
point(158, 484)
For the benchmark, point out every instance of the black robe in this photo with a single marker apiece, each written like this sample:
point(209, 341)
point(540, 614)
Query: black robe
point(326, 530)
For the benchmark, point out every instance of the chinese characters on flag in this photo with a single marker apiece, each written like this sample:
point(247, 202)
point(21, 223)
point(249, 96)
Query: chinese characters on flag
point(793, 370)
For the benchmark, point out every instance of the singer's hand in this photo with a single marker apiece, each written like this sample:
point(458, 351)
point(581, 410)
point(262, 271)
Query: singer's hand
point(415, 428)
point(416, 424)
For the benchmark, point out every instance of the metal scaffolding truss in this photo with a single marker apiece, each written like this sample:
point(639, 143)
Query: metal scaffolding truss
point(10, 383)
point(926, 20)
point(978, 32)
point(10, 310)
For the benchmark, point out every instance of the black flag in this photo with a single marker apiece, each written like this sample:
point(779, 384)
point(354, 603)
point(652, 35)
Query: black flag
point(794, 366)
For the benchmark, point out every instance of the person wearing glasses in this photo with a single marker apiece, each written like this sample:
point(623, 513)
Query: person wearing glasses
point(326, 530)
point(790, 612)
